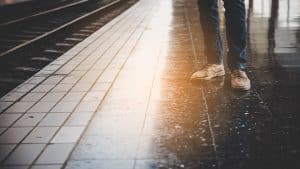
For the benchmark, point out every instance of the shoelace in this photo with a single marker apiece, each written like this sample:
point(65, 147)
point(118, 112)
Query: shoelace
point(206, 67)
point(238, 74)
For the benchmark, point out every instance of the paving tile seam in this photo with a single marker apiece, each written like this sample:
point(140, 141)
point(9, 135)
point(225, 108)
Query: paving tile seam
point(147, 110)
point(7, 127)
point(106, 27)
point(155, 77)
point(26, 136)
point(17, 145)
point(195, 64)
point(188, 24)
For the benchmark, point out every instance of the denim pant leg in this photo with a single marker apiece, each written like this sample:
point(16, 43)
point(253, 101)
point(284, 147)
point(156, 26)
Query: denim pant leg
point(236, 32)
point(209, 19)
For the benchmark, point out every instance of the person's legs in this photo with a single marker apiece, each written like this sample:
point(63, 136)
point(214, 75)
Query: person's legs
point(235, 15)
point(209, 19)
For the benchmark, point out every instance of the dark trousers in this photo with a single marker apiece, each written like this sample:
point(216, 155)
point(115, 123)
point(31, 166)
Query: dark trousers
point(235, 16)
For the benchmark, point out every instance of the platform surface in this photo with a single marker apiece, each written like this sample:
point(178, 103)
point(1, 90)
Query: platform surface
point(122, 98)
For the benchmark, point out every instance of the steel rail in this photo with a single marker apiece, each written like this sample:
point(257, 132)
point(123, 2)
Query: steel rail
point(61, 28)
point(43, 13)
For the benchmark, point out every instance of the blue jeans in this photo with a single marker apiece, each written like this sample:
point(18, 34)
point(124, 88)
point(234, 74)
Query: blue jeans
point(235, 16)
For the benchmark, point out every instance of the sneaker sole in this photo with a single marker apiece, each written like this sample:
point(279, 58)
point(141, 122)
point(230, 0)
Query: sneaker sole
point(241, 88)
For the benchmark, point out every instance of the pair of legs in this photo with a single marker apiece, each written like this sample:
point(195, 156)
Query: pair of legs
point(235, 16)
point(236, 32)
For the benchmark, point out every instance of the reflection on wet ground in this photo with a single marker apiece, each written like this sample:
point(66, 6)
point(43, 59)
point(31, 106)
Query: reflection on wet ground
point(7, 2)
point(164, 121)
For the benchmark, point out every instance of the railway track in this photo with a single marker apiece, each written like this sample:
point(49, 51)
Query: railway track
point(23, 32)
point(29, 48)
point(21, 9)
point(41, 13)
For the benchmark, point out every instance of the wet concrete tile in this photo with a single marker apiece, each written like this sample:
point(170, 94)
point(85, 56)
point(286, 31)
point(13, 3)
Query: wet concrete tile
point(101, 86)
point(68, 134)
point(131, 93)
point(35, 80)
point(94, 96)
point(4, 105)
point(73, 96)
point(174, 163)
point(110, 137)
point(15, 167)
point(79, 119)
point(14, 135)
point(117, 125)
point(83, 67)
point(20, 107)
point(29, 120)
point(108, 76)
point(90, 76)
point(55, 154)
point(54, 79)
point(24, 154)
point(12, 96)
point(70, 79)
point(86, 106)
point(62, 87)
point(2, 130)
point(5, 150)
point(166, 136)
point(43, 88)
point(8, 119)
point(81, 87)
point(106, 147)
point(100, 164)
point(40, 135)
point(54, 119)
point(65, 107)
point(42, 107)
point(122, 107)
point(46, 167)
point(52, 97)
point(25, 88)
point(33, 97)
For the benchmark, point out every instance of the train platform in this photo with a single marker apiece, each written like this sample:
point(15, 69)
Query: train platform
point(123, 99)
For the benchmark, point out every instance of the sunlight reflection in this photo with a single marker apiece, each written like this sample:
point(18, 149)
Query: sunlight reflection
point(7, 2)
point(165, 18)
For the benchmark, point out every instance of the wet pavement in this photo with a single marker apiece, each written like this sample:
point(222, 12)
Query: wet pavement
point(151, 116)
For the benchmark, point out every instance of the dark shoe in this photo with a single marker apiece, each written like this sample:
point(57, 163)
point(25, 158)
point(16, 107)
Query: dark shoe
point(240, 80)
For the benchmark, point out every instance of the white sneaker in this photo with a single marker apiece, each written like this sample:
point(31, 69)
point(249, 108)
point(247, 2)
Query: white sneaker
point(208, 72)
point(240, 80)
